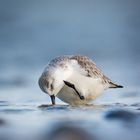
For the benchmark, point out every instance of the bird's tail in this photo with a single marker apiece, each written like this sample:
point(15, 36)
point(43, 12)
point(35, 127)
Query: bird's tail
point(113, 85)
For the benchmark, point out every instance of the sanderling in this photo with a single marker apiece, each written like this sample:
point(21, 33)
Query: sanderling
point(75, 80)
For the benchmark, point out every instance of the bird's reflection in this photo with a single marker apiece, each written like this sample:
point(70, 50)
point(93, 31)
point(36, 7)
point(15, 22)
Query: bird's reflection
point(65, 107)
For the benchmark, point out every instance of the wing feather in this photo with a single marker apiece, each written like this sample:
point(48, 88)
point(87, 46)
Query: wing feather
point(90, 67)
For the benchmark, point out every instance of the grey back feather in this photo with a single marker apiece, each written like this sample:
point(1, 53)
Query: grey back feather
point(93, 71)
point(87, 64)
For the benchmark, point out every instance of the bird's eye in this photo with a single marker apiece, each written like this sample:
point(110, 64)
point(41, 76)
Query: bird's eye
point(51, 86)
point(46, 82)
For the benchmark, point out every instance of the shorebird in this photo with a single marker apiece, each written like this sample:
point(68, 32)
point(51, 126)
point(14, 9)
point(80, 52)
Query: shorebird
point(75, 80)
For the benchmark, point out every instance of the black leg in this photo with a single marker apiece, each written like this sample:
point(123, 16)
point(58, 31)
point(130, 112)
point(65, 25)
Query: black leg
point(73, 86)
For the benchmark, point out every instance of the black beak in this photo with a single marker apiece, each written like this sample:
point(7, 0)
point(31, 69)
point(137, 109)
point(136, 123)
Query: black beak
point(53, 99)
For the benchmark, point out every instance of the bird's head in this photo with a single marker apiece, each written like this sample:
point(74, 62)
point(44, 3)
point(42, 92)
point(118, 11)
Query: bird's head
point(51, 83)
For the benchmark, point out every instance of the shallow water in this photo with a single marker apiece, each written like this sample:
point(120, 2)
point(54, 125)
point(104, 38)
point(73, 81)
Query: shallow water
point(32, 33)
point(36, 121)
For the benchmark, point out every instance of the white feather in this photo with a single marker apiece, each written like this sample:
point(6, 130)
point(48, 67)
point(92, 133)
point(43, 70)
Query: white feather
point(89, 87)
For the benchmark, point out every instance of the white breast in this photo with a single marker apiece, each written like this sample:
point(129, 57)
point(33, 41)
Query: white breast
point(89, 87)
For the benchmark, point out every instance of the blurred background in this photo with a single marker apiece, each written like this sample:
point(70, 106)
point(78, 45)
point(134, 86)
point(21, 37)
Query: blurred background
point(34, 31)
